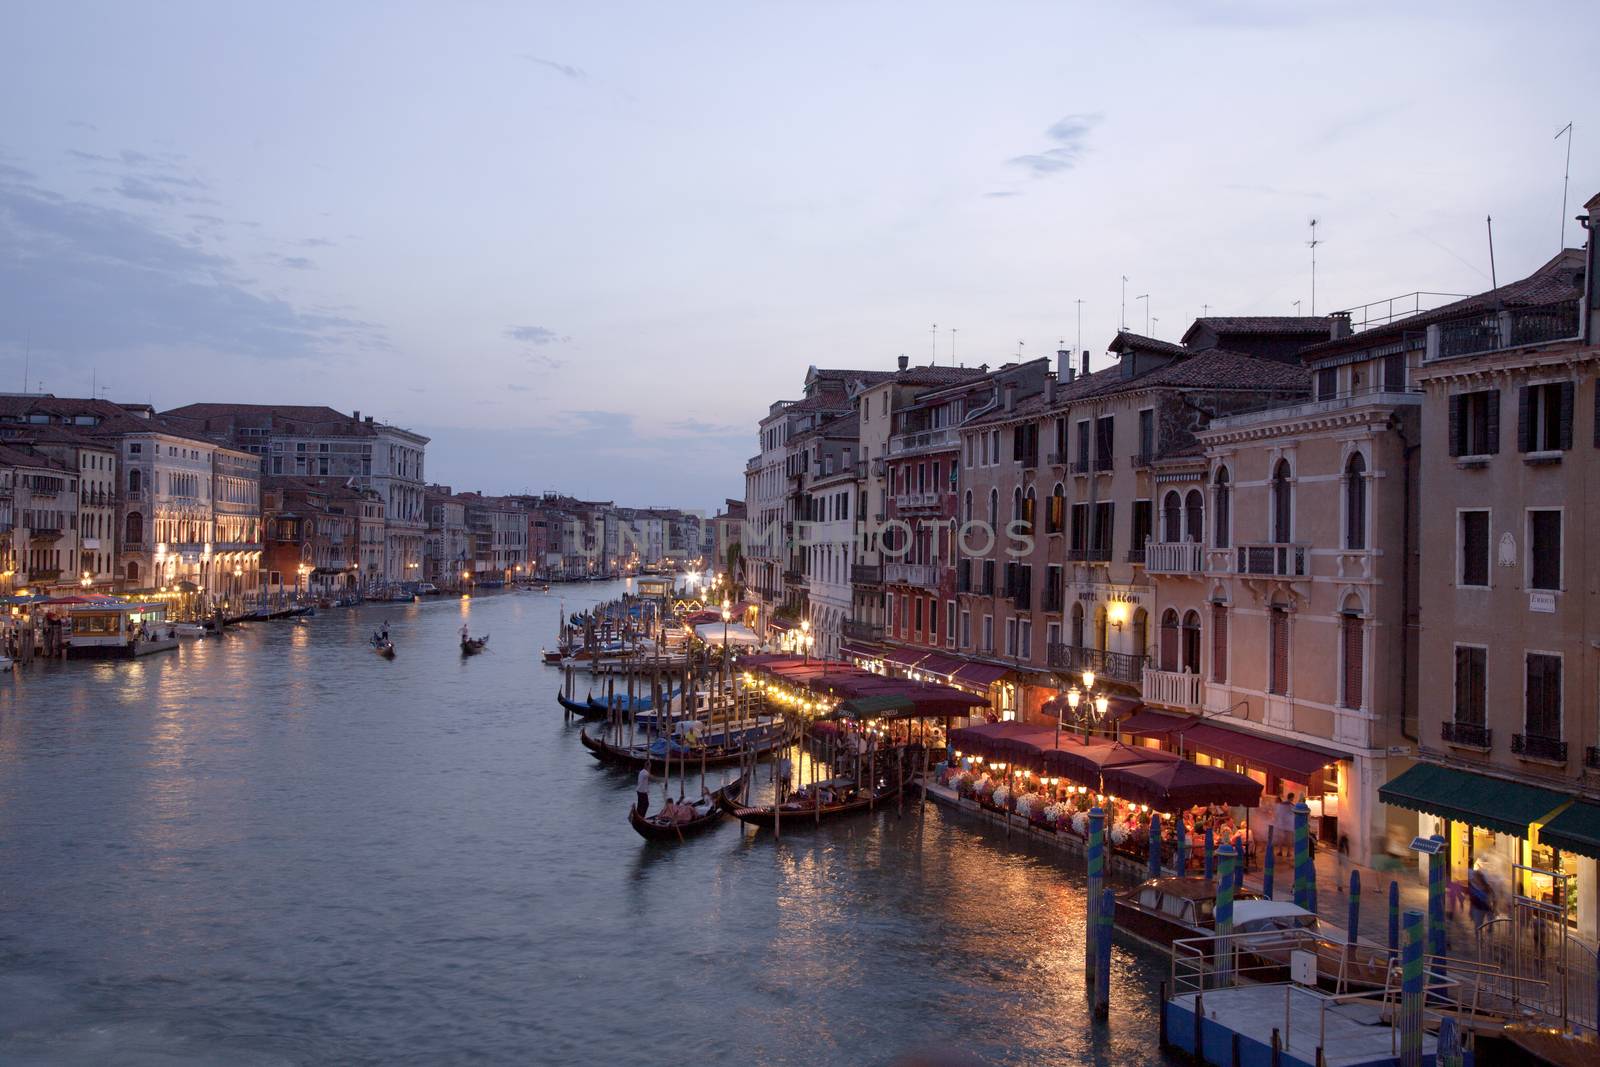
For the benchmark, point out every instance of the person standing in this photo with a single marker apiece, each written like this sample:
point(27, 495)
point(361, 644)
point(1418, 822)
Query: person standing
point(785, 774)
point(1480, 895)
point(643, 804)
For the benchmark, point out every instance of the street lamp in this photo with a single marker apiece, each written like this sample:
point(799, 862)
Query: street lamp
point(805, 638)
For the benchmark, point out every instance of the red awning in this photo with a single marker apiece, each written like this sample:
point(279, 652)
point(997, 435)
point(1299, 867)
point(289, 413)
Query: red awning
point(1178, 784)
point(851, 648)
point(780, 625)
point(1085, 764)
point(1150, 723)
point(1285, 760)
point(944, 666)
point(980, 675)
point(905, 657)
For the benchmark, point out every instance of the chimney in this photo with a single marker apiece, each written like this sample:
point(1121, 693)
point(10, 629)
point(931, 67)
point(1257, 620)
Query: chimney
point(1063, 364)
point(1070, 373)
point(1050, 390)
point(904, 362)
point(1011, 396)
point(356, 415)
point(1085, 371)
point(1339, 325)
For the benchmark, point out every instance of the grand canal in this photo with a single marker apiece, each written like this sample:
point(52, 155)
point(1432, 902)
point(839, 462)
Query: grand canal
point(279, 848)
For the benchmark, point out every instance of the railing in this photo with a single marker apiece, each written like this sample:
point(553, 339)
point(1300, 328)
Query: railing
point(1550, 748)
point(866, 574)
point(1591, 757)
point(1490, 331)
point(1394, 308)
point(1273, 560)
point(1118, 666)
point(1380, 396)
point(930, 499)
point(1089, 555)
point(1466, 734)
point(862, 631)
point(1022, 598)
point(1056, 459)
point(925, 575)
point(1029, 460)
point(1185, 557)
point(1104, 463)
point(923, 439)
point(1144, 459)
point(1175, 689)
point(1080, 466)
point(1136, 555)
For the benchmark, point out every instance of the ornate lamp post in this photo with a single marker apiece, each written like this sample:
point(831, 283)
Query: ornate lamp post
point(805, 639)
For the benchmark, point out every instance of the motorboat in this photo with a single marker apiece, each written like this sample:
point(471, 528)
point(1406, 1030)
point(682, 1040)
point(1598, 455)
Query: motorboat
point(1164, 910)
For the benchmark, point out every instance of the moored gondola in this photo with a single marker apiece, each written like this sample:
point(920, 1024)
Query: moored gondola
point(582, 709)
point(654, 828)
point(797, 813)
point(764, 742)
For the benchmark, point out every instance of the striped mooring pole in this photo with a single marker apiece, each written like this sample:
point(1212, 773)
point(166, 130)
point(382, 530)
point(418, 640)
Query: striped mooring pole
point(1268, 864)
point(1091, 900)
point(1447, 1047)
point(1155, 845)
point(1304, 873)
point(1102, 956)
point(1438, 871)
point(1411, 991)
point(1224, 915)
point(1354, 917)
point(1238, 866)
point(1211, 855)
point(1394, 922)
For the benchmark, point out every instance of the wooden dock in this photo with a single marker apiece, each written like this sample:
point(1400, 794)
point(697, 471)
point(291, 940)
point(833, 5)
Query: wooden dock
point(1242, 1024)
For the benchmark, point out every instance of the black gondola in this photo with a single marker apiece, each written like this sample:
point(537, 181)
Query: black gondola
point(798, 814)
point(579, 708)
point(653, 828)
point(471, 646)
point(767, 743)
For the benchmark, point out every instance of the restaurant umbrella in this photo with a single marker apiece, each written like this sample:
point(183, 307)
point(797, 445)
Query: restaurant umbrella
point(1176, 784)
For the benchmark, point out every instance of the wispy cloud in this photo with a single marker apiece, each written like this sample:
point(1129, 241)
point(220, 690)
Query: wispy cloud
point(535, 335)
point(315, 242)
point(700, 428)
point(296, 263)
point(1000, 194)
point(1070, 135)
point(566, 70)
point(542, 359)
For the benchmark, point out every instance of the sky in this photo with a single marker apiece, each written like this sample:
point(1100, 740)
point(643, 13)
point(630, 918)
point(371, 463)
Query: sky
point(584, 246)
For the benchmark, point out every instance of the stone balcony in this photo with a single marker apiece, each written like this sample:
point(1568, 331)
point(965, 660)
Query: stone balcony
point(1183, 690)
point(1184, 558)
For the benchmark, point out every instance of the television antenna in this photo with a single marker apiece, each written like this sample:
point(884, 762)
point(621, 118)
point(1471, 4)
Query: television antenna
point(1565, 177)
point(1313, 246)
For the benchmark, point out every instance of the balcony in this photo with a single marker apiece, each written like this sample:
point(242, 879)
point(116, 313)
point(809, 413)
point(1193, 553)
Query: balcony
point(1118, 666)
point(1136, 556)
point(1274, 560)
point(1542, 748)
point(1103, 464)
point(1466, 735)
point(1056, 459)
point(45, 533)
point(1175, 689)
point(918, 501)
point(866, 574)
point(925, 575)
point(1022, 598)
point(1591, 758)
point(1181, 558)
point(1142, 460)
point(1089, 555)
point(861, 631)
point(922, 441)
point(1492, 331)
point(1080, 466)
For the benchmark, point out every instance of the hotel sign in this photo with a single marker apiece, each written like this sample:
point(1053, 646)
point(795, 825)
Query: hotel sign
point(1545, 602)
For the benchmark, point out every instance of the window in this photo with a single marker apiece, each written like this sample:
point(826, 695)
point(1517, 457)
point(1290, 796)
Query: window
point(1193, 519)
point(1278, 667)
point(1169, 640)
point(1079, 540)
point(966, 629)
point(1473, 548)
point(1394, 373)
point(1011, 637)
point(1327, 383)
point(1191, 642)
point(1475, 423)
point(135, 480)
point(1544, 417)
point(1219, 643)
point(988, 634)
point(950, 624)
point(1172, 517)
point(1543, 697)
point(1104, 527)
point(1282, 504)
point(1352, 642)
point(1220, 509)
point(1147, 435)
point(1104, 438)
point(1472, 693)
point(1056, 517)
point(1355, 502)
point(1544, 549)
point(1142, 521)
point(1077, 624)
point(1025, 638)
point(1083, 446)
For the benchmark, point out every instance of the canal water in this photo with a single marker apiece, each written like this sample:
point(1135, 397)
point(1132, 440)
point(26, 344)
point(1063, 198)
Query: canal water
point(280, 849)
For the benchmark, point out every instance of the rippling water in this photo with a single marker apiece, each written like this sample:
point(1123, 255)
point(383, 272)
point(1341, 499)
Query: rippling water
point(279, 848)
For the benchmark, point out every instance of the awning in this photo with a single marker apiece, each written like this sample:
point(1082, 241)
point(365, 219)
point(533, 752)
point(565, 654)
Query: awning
point(1476, 799)
point(716, 633)
point(1152, 723)
point(980, 675)
point(781, 625)
point(934, 663)
point(1084, 764)
point(859, 651)
point(904, 657)
point(1577, 829)
point(1180, 784)
point(1285, 760)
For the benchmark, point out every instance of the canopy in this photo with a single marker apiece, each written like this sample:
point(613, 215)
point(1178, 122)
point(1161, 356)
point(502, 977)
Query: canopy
point(1476, 799)
point(980, 675)
point(1087, 763)
point(1151, 723)
point(697, 617)
point(1294, 762)
point(781, 625)
point(862, 694)
point(1177, 784)
point(713, 634)
point(1577, 829)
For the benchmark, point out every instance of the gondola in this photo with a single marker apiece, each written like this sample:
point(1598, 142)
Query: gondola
point(800, 814)
point(384, 649)
point(712, 756)
point(652, 828)
point(471, 646)
point(579, 708)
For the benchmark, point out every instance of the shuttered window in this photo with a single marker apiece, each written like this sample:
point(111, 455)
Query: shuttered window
point(1169, 641)
point(1475, 548)
point(1544, 417)
point(1352, 631)
point(1472, 704)
point(1544, 549)
point(1543, 696)
point(1278, 672)
point(1219, 643)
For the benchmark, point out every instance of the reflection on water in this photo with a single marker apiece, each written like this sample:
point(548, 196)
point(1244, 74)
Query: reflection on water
point(280, 848)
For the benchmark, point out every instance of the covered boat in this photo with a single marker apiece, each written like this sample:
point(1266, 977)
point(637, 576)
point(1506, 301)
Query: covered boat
point(708, 812)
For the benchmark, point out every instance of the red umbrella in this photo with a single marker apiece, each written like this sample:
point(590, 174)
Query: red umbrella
point(1178, 784)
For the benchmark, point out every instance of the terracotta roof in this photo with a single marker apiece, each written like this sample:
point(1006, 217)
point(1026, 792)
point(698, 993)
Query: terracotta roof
point(111, 419)
point(315, 420)
point(1126, 340)
point(1561, 278)
point(1223, 325)
point(935, 375)
point(20, 455)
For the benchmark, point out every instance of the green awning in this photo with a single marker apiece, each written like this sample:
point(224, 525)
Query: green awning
point(1475, 799)
point(1575, 830)
point(876, 707)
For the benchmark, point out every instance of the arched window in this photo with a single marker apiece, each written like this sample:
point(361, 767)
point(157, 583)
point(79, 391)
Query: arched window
point(1028, 512)
point(1278, 649)
point(1355, 502)
point(1219, 643)
point(1101, 637)
point(1282, 504)
point(1169, 640)
point(1191, 642)
point(135, 480)
point(967, 508)
point(994, 509)
point(1172, 517)
point(1058, 509)
point(134, 535)
point(133, 571)
point(1141, 632)
point(1220, 508)
point(1077, 625)
point(1352, 642)
point(1016, 504)
point(1193, 521)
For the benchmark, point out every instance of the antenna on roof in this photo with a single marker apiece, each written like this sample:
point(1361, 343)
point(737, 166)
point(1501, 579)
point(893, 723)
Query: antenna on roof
point(1079, 302)
point(1122, 323)
point(1297, 307)
point(1205, 309)
point(1146, 298)
point(1565, 175)
point(1313, 245)
point(953, 332)
point(933, 350)
point(1488, 220)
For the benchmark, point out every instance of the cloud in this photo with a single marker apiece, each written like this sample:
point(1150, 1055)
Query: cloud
point(86, 278)
point(315, 242)
point(698, 428)
point(535, 335)
point(1000, 194)
point(1070, 134)
point(577, 74)
point(549, 362)
point(135, 188)
point(296, 263)
point(79, 124)
point(515, 388)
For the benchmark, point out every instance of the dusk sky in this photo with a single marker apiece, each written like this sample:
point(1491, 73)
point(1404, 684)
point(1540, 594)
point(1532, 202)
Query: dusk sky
point(583, 246)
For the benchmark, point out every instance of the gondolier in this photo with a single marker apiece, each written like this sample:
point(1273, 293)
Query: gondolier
point(644, 790)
